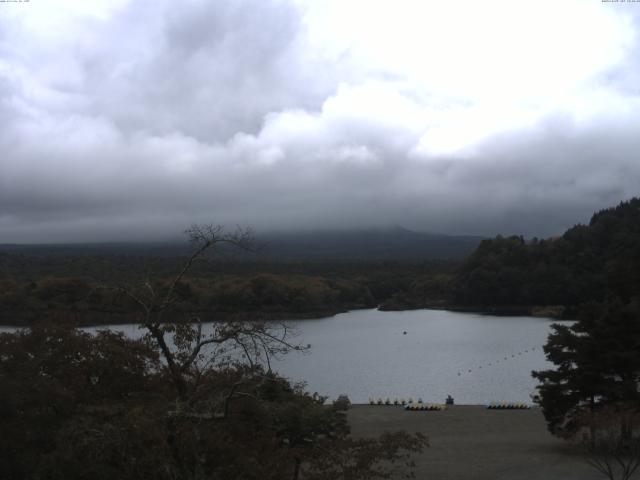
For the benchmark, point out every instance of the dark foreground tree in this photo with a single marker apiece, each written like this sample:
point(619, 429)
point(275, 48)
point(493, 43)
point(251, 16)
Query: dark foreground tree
point(592, 396)
point(597, 364)
point(187, 401)
point(65, 395)
point(82, 406)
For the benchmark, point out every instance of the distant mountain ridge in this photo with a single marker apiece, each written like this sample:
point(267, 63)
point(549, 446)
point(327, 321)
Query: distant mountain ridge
point(395, 243)
point(389, 243)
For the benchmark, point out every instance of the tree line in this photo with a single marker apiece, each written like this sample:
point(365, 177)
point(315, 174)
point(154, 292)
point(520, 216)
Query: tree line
point(35, 287)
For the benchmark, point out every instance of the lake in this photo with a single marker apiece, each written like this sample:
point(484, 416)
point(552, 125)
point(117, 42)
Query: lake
point(474, 358)
point(365, 354)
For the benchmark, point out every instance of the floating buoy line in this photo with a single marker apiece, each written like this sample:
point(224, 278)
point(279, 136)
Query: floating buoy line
point(495, 363)
point(419, 405)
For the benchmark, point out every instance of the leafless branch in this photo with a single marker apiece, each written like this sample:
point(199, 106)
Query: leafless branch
point(188, 344)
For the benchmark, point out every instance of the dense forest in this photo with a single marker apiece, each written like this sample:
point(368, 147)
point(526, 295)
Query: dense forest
point(88, 287)
point(588, 263)
point(304, 274)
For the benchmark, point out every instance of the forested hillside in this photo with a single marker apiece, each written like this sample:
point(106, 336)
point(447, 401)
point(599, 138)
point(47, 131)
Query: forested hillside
point(587, 263)
point(86, 288)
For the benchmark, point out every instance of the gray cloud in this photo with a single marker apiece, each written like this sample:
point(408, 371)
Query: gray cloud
point(136, 124)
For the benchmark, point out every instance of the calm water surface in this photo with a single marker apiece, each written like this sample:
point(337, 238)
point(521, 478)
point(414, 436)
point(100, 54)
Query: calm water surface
point(474, 358)
point(365, 353)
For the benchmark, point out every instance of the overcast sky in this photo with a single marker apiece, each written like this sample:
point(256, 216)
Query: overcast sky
point(132, 119)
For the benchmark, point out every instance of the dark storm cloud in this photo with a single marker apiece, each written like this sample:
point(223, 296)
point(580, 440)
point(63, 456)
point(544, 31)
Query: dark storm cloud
point(137, 122)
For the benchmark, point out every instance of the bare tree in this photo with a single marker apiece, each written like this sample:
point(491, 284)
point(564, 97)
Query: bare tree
point(186, 349)
point(612, 444)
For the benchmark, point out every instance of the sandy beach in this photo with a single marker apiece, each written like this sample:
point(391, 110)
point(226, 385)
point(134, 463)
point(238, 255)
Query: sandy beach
point(471, 442)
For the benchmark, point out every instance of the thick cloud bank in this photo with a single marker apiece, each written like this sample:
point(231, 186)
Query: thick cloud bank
point(133, 119)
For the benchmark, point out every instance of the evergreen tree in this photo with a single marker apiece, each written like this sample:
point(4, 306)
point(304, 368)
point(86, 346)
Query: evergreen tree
point(597, 364)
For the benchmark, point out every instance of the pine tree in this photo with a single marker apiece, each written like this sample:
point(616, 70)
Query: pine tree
point(597, 364)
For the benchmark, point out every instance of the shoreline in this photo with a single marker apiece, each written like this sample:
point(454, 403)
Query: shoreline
point(557, 312)
point(118, 318)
